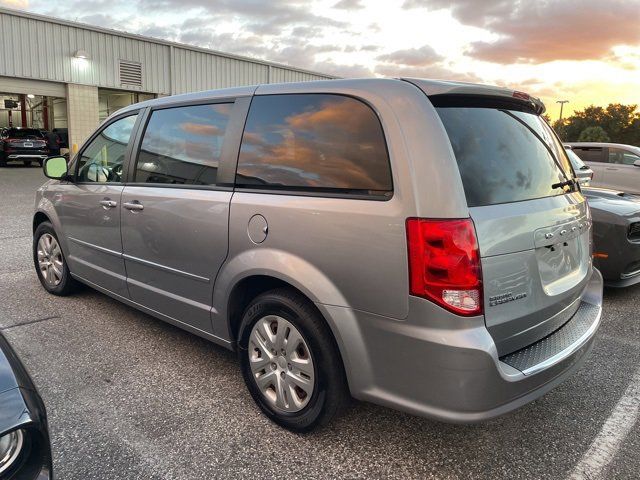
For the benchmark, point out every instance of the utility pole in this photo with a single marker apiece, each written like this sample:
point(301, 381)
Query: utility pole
point(561, 102)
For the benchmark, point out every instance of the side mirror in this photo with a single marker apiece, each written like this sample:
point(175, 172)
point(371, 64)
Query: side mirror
point(55, 167)
point(636, 163)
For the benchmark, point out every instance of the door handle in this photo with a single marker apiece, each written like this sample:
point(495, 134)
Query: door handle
point(106, 203)
point(134, 206)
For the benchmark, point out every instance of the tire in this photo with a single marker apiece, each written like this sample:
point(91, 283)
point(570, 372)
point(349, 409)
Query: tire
point(3, 159)
point(329, 392)
point(60, 283)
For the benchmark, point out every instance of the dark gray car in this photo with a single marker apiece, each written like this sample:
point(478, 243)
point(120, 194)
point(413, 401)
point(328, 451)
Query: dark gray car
point(417, 244)
point(616, 235)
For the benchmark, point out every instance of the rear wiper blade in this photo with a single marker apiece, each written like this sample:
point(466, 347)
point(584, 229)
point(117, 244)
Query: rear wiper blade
point(566, 183)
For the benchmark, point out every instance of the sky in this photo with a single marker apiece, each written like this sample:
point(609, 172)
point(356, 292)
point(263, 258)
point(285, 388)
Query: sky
point(584, 51)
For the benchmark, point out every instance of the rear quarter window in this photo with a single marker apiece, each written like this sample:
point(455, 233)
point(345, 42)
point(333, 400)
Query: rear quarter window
point(314, 142)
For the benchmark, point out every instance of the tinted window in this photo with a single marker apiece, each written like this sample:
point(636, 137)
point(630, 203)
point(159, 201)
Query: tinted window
point(624, 157)
point(327, 142)
point(499, 156)
point(182, 145)
point(102, 160)
point(589, 154)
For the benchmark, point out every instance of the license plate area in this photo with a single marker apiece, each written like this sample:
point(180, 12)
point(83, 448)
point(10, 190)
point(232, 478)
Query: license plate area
point(28, 144)
point(562, 253)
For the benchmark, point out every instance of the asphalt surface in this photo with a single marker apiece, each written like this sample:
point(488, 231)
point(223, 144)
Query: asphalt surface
point(129, 396)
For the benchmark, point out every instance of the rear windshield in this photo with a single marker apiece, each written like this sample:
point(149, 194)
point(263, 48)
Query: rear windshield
point(504, 155)
point(24, 133)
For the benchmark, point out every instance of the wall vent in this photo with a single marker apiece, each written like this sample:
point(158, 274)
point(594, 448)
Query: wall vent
point(130, 73)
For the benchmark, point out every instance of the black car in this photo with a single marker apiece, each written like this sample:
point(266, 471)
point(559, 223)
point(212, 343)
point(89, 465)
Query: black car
point(616, 235)
point(25, 451)
point(23, 144)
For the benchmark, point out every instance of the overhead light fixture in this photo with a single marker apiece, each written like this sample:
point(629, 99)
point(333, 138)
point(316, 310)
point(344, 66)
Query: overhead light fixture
point(81, 54)
point(31, 95)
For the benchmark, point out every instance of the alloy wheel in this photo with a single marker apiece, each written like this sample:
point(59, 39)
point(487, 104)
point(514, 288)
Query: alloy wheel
point(50, 260)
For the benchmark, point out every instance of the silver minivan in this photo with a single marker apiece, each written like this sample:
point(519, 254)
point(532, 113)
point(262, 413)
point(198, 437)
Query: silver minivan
point(417, 244)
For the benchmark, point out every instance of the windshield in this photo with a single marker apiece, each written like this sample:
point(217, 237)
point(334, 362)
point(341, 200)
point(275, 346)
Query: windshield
point(505, 156)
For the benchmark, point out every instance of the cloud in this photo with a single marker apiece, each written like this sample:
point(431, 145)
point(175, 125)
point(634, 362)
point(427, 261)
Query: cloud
point(537, 32)
point(206, 130)
point(257, 16)
point(15, 3)
point(436, 72)
point(414, 57)
point(349, 5)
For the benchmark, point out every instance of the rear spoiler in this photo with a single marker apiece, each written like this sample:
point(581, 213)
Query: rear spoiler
point(467, 92)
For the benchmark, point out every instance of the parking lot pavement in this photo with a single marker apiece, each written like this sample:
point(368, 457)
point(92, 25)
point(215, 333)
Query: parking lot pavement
point(129, 396)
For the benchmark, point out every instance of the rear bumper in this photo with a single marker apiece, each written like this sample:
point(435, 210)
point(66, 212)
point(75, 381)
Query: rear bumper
point(26, 156)
point(442, 366)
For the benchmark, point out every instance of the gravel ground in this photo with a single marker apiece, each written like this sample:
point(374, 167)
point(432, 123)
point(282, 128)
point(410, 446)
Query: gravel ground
point(129, 396)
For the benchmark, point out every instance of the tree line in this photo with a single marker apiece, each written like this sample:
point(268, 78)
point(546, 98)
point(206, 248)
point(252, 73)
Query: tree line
point(616, 123)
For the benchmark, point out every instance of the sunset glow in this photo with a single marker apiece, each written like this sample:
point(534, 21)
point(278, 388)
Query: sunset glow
point(583, 51)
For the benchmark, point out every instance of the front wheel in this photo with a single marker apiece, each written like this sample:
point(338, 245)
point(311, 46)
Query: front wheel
point(51, 266)
point(290, 361)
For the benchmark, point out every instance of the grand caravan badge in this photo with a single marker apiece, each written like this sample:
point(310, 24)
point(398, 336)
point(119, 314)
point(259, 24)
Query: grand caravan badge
point(505, 298)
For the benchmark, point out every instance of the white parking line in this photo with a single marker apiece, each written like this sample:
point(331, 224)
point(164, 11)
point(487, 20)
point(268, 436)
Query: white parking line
point(604, 447)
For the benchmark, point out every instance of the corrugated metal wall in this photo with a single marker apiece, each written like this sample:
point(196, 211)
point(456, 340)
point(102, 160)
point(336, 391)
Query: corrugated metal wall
point(201, 71)
point(33, 47)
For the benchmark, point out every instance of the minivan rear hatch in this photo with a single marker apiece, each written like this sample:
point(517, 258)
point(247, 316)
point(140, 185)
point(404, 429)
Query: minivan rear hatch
point(531, 220)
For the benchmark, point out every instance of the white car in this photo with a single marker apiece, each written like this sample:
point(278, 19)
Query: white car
point(614, 165)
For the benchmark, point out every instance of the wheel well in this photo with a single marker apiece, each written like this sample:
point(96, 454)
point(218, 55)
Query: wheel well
point(38, 218)
point(244, 292)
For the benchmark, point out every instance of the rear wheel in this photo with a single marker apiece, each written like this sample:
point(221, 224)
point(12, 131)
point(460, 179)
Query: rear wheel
point(290, 361)
point(3, 159)
point(50, 263)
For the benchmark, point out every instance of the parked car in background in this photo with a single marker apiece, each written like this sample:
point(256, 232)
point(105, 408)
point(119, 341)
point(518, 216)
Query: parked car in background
point(615, 166)
point(584, 174)
point(418, 244)
point(616, 235)
point(25, 451)
point(25, 145)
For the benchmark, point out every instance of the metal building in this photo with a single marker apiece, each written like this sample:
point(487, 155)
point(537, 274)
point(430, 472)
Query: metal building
point(57, 74)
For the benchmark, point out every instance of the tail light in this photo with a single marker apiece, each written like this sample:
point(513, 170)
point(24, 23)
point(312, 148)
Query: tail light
point(444, 264)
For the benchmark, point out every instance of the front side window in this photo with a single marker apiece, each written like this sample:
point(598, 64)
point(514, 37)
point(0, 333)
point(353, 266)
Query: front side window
point(622, 157)
point(314, 142)
point(182, 145)
point(103, 159)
